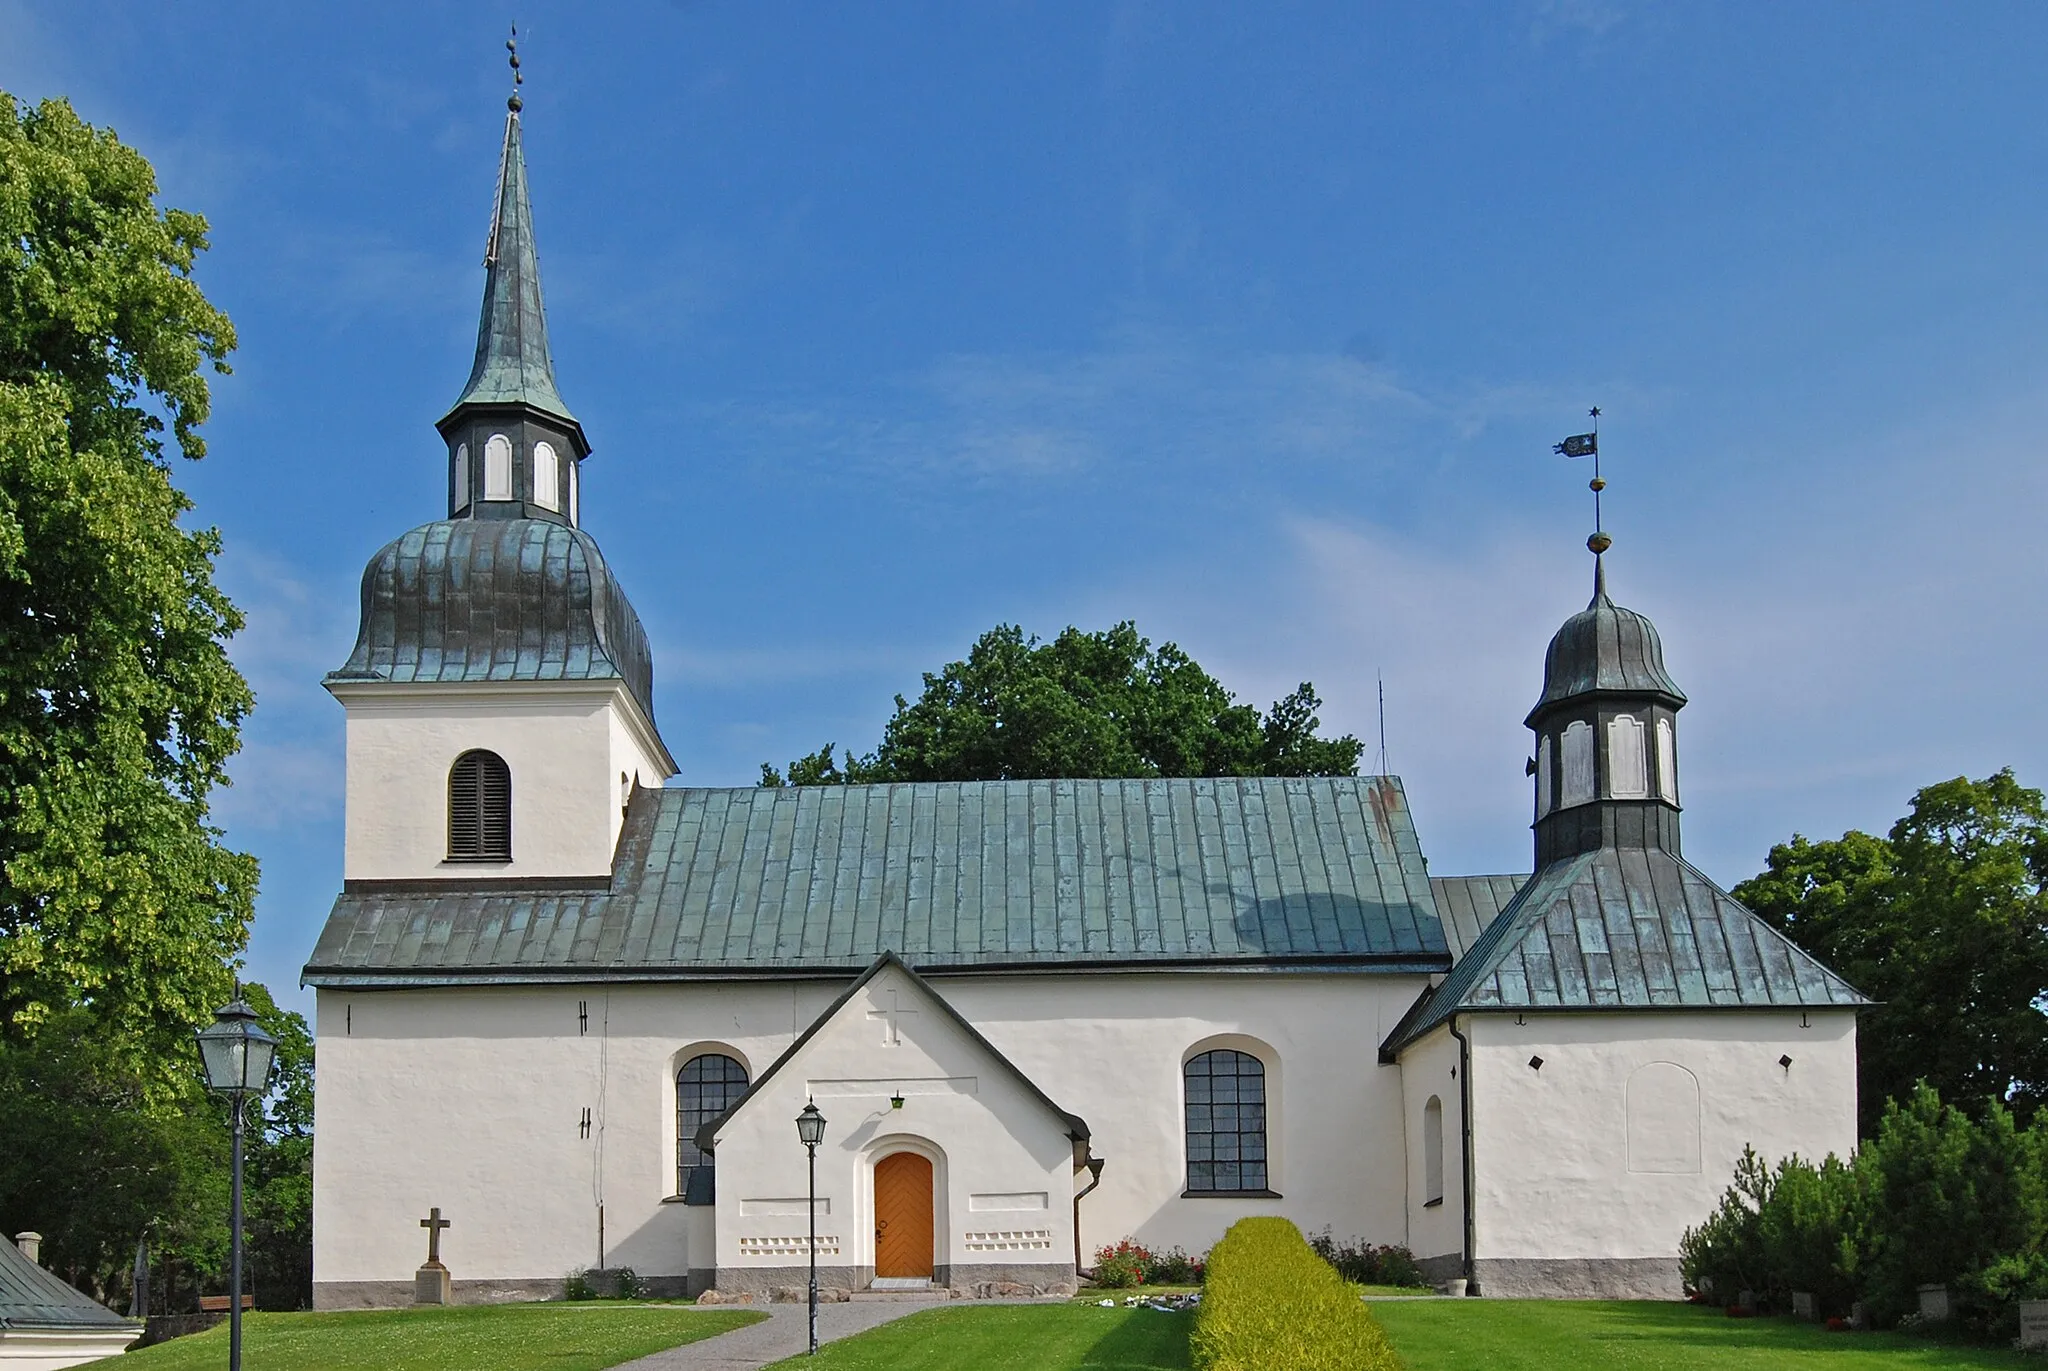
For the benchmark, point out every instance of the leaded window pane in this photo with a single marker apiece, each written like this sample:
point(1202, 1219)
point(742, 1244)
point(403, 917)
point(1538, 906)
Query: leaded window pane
point(1226, 1121)
point(706, 1087)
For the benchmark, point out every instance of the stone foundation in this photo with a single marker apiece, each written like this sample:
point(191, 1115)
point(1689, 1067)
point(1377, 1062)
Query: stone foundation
point(1578, 1278)
point(977, 1280)
point(399, 1294)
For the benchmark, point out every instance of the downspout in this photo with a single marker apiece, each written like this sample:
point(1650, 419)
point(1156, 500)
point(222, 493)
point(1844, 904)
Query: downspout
point(1094, 1165)
point(1465, 1141)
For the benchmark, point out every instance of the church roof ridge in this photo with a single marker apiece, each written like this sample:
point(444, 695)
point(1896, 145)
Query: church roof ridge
point(1625, 929)
point(1249, 873)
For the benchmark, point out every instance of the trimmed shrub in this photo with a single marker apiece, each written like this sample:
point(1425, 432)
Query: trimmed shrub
point(1271, 1304)
point(1122, 1266)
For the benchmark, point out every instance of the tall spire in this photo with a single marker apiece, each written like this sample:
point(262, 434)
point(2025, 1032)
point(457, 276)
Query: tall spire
point(513, 363)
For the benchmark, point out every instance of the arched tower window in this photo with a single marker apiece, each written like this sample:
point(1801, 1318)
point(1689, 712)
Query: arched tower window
point(498, 467)
point(1433, 1152)
point(1627, 773)
point(1667, 763)
point(575, 494)
point(1226, 1121)
point(479, 808)
point(1578, 764)
point(1543, 775)
point(547, 476)
point(706, 1087)
point(461, 477)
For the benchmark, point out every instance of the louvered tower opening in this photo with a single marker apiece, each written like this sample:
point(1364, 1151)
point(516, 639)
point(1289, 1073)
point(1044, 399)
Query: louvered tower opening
point(479, 808)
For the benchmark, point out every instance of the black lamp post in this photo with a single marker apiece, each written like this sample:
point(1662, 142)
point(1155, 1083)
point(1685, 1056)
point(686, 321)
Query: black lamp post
point(810, 1130)
point(236, 1053)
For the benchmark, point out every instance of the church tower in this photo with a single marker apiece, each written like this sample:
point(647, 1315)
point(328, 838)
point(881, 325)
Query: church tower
point(1606, 735)
point(500, 697)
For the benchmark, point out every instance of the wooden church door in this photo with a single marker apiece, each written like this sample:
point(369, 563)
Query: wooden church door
point(903, 1215)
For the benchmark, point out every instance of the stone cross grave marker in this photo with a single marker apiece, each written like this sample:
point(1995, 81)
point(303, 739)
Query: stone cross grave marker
point(431, 1284)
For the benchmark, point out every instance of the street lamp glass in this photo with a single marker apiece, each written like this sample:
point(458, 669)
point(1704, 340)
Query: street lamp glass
point(236, 1052)
point(810, 1126)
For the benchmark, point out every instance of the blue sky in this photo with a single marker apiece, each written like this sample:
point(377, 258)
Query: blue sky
point(1254, 323)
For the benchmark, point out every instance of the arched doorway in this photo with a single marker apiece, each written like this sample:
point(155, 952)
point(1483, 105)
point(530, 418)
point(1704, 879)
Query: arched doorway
point(903, 1216)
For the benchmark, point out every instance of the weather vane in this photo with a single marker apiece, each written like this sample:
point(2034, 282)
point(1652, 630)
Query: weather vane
point(512, 55)
point(1588, 445)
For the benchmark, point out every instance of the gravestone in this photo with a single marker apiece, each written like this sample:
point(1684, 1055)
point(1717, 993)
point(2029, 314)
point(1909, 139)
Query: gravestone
point(1804, 1306)
point(1934, 1303)
point(2033, 1325)
point(431, 1284)
point(1745, 1300)
point(1859, 1317)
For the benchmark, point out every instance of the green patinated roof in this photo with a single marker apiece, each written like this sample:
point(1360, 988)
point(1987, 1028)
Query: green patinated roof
point(33, 1298)
point(1223, 872)
point(1468, 905)
point(1605, 648)
point(1626, 928)
point(513, 363)
point(497, 600)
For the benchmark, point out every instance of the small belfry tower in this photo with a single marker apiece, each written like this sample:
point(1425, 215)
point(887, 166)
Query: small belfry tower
point(1606, 725)
point(500, 696)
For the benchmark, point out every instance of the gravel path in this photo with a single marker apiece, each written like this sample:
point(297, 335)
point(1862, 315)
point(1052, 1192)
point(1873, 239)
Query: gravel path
point(783, 1334)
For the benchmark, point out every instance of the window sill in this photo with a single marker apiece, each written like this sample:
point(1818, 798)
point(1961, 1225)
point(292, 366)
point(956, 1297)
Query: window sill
point(1436, 1203)
point(476, 861)
point(1230, 1194)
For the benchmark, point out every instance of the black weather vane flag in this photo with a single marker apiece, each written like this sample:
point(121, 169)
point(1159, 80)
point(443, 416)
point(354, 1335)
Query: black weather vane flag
point(1588, 445)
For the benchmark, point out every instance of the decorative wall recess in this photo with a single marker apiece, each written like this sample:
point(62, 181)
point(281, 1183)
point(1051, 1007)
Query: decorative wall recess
point(780, 1208)
point(828, 1246)
point(1029, 1240)
point(1013, 1200)
point(1663, 1111)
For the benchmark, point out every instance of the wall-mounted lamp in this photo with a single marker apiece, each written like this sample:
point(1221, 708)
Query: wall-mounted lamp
point(1535, 1063)
point(896, 1100)
point(1786, 1062)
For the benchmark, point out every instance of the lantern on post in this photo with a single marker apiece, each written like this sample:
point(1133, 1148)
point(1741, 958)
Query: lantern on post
point(236, 1054)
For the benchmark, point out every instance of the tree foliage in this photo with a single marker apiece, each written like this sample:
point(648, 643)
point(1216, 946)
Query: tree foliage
point(1105, 704)
point(119, 707)
point(1935, 1197)
point(1945, 921)
point(96, 1154)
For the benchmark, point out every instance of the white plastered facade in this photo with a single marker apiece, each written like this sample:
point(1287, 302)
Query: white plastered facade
point(574, 748)
point(1589, 1168)
point(472, 1099)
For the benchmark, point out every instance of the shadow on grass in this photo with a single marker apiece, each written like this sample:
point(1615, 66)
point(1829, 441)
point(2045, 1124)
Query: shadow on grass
point(1148, 1340)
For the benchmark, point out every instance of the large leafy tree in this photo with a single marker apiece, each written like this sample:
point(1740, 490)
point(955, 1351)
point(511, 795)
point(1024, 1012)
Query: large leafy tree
point(1084, 704)
point(1945, 921)
point(119, 707)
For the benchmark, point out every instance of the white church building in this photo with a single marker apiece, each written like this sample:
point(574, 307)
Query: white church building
point(577, 1009)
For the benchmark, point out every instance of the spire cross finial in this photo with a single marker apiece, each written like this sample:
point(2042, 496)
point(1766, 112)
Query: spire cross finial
point(512, 57)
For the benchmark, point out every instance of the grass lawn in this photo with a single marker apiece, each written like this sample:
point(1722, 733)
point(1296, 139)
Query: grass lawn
point(496, 1337)
point(1596, 1335)
point(1432, 1335)
point(1014, 1337)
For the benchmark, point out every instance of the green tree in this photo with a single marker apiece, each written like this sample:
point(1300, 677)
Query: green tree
point(1085, 704)
point(119, 707)
point(278, 1169)
point(1945, 922)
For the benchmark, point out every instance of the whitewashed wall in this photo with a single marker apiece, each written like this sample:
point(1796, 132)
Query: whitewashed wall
point(565, 743)
point(1429, 1069)
point(1002, 1163)
point(470, 1099)
point(1582, 1189)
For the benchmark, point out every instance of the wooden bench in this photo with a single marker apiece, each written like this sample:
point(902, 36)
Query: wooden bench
point(218, 1304)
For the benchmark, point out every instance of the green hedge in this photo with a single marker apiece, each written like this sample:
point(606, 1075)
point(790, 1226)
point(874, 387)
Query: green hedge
point(1271, 1304)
